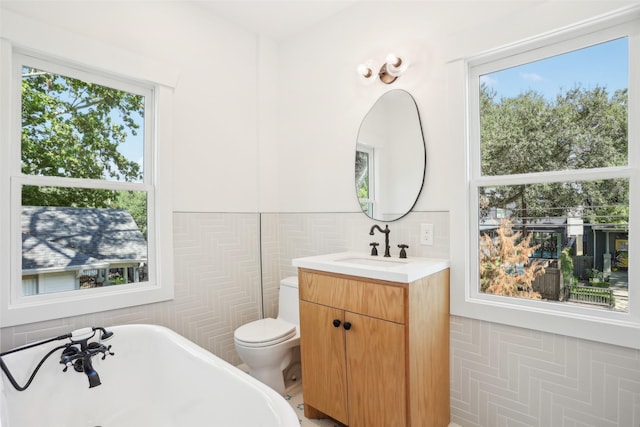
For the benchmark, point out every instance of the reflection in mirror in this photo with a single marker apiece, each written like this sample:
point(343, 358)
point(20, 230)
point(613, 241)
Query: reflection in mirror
point(390, 157)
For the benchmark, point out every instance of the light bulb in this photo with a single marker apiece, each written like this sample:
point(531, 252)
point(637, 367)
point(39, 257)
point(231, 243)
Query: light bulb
point(365, 70)
point(393, 60)
point(395, 65)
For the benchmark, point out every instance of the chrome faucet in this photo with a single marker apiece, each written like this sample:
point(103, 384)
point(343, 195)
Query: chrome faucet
point(386, 232)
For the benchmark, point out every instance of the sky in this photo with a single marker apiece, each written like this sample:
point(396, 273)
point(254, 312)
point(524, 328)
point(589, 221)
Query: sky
point(133, 147)
point(605, 64)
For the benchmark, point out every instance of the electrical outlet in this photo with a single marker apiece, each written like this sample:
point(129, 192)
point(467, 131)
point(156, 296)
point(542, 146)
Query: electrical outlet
point(426, 234)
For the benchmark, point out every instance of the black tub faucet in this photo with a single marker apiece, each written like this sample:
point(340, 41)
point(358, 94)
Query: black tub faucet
point(79, 352)
point(386, 232)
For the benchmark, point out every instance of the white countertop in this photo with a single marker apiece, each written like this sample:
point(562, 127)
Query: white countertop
point(361, 264)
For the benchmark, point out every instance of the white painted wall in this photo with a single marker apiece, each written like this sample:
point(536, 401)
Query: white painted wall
point(322, 103)
point(265, 126)
point(325, 72)
point(268, 164)
point(215, 104)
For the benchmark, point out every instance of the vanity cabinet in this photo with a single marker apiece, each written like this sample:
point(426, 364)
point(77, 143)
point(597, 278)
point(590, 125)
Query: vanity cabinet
point(375, 353)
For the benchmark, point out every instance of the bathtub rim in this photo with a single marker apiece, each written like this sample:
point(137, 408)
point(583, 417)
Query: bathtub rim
point(276, 403)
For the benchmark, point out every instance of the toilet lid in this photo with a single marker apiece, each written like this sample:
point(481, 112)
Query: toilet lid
point(265, 332)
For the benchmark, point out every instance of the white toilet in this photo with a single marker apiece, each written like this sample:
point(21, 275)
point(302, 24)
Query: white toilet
point(266, 345)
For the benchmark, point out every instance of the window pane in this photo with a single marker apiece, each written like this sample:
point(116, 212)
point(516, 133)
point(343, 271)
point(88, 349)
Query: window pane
point(72, 128)
point(84, 244)
point(565, 112)
point(364, 166)
point(565, 241)
point(362, 174)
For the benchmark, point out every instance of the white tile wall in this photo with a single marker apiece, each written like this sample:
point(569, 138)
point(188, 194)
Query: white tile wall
point(217, 287)
point(500, 375)
point(507, 376)
point(217, 264)
point(288, 236)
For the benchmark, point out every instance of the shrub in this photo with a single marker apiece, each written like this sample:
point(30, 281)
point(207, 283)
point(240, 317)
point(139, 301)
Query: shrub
point(566, 265)
point(505, 266)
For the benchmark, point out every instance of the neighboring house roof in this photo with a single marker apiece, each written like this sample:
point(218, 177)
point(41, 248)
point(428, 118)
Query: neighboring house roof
point(60, 239)
point(40, 255)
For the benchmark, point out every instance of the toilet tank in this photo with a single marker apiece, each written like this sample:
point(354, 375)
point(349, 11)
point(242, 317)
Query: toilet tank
point(288, 306)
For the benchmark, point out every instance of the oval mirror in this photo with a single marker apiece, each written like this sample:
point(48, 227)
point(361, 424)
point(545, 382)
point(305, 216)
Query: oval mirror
point(390, 157)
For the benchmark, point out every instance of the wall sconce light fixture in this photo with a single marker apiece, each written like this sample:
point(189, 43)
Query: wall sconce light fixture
point(389, 72)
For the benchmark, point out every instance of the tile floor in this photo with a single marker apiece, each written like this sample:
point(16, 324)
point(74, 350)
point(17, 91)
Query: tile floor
point(294, 396)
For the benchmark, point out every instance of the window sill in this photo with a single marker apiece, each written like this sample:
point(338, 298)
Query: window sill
point(66, 304)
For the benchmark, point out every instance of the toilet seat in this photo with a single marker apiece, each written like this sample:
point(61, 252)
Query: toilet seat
point(264, 332)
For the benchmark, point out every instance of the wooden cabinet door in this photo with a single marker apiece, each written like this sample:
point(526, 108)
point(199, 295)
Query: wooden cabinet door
point(322, 347)
point(375, 372)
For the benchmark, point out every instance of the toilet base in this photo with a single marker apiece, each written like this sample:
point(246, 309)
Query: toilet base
point(292, 375)
point(273, 379)
point(273, 376)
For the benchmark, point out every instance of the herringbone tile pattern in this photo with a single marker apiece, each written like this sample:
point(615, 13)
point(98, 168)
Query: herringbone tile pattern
point(500, 375)
point(507, 376)
point(217, 270)
point(217, 287)
point(286, 236)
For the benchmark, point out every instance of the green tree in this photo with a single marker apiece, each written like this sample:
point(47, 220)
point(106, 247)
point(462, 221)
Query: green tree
point(581, 128)
point(136, 203)
point(72, 128)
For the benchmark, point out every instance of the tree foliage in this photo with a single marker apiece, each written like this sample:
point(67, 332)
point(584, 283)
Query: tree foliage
point(505, 265)
point(582, 128)
point(136, 203)
point(72, 128)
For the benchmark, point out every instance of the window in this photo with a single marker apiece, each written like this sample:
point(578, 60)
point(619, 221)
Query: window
point(91, 234)
point(552, 167)
point(365, 167)
point(85, 209)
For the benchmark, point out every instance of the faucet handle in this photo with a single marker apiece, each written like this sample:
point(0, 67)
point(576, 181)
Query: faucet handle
point(374, 248)
point(403, 253)
point(68, 356)
point(107, 351)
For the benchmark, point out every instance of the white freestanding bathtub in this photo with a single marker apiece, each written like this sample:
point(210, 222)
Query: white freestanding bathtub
point(156, 378)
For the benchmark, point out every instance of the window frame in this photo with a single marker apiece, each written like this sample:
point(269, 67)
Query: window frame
point(16, 309)
point(619, 328)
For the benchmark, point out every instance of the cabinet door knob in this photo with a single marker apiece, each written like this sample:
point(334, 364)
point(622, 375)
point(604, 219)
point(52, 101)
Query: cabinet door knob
point(336, 323)
point(347, 325)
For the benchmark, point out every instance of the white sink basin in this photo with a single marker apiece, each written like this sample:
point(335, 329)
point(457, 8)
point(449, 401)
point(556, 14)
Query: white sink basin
point(404, 270)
